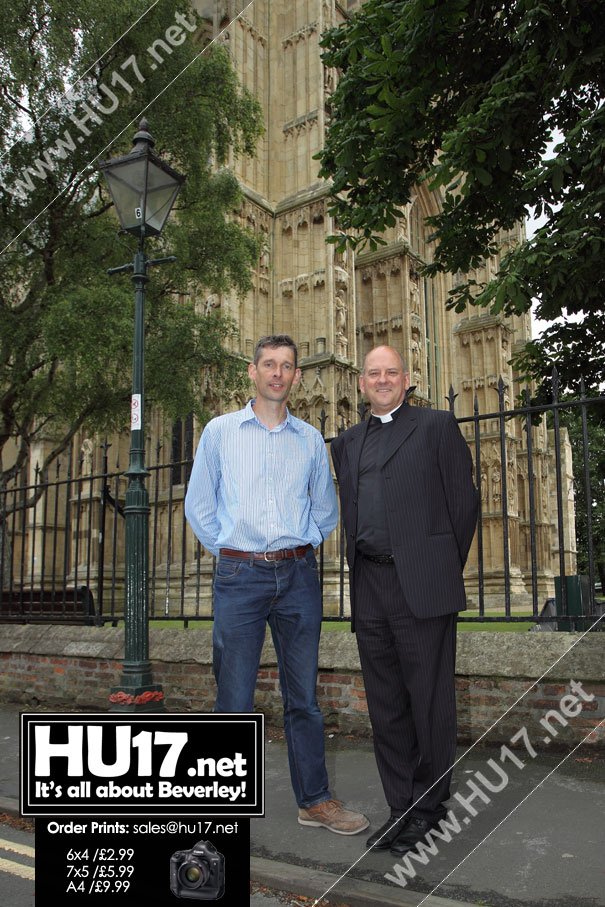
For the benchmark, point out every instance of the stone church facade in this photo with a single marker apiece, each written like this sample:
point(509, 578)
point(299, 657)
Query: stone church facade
point(337, 306)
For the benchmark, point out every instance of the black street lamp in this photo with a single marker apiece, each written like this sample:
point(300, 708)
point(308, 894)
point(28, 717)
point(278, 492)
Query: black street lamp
point(144, 189)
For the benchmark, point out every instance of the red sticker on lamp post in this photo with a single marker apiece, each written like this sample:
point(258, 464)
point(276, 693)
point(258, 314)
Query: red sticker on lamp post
point(135, 412)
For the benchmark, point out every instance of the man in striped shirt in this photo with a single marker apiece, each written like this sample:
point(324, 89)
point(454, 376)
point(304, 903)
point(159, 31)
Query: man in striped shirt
point(261, 498)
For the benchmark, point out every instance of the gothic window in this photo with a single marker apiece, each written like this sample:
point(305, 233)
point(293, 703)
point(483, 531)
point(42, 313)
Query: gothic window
point(417, 236)
point(182, 450)
point(432, 333)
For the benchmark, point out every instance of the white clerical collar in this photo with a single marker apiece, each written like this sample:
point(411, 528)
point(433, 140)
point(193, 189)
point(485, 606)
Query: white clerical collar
point(387, 417)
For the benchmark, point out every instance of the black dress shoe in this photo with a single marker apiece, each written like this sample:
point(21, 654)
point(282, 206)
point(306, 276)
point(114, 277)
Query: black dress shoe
point(415, 830)
point(384, 836)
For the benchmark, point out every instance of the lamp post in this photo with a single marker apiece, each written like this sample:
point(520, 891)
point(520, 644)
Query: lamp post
point(144, 189)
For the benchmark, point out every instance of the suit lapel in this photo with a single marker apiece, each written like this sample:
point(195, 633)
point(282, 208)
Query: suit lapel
point(353, 449)
point(404, 425)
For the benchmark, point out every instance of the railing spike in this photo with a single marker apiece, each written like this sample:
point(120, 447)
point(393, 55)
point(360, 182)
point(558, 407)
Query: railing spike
point(451, 398)
point(555, 384)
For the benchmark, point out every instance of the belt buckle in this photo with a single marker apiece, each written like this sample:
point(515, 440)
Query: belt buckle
point(268, 559)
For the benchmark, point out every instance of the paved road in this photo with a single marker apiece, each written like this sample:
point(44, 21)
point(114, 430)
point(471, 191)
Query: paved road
point(16, 867)
point(549, 852)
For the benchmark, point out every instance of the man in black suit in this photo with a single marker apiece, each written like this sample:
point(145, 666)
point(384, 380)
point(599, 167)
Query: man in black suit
point(409, 508)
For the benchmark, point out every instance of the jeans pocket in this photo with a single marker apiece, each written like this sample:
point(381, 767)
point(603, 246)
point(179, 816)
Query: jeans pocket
point(227, 568)
point(310, 561)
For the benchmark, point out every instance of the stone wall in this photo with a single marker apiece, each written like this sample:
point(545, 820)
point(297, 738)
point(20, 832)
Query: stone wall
point(508, 684)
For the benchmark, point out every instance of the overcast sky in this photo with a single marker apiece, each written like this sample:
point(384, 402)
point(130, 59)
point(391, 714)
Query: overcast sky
point(531, 225)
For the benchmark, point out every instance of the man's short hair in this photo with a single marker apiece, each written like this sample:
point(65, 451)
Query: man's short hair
point(272, 342)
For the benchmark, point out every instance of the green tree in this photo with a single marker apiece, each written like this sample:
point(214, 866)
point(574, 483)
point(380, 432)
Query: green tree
point(591, 461)
point(65, 326)
point(468, 96)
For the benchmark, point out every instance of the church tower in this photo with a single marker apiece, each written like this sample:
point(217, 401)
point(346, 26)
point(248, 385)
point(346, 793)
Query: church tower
point(337, 306)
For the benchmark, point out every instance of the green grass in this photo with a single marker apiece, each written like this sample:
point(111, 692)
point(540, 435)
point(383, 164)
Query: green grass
point(503, 626)
point(343, 626)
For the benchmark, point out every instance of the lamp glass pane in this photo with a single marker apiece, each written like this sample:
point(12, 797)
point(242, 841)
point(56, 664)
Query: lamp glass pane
point(126, 182)
point(162, 190)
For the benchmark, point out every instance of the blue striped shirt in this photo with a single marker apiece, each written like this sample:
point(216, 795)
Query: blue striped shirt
point(258, 489)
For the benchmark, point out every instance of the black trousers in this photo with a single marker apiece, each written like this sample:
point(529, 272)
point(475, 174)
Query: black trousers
point(408, 666)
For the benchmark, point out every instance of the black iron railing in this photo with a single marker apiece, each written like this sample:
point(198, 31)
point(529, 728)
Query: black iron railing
point(539, 545)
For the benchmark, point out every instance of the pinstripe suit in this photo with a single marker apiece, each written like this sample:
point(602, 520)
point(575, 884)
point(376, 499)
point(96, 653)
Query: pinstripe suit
point(404, 615)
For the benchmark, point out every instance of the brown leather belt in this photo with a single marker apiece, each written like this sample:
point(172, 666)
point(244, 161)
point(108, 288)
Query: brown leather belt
point(280, 555)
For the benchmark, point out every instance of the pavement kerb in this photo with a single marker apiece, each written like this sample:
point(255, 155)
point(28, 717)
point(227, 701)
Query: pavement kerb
point(9, 806)
point(303, 880)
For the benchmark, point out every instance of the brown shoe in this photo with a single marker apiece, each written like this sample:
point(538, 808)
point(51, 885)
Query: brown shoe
point(332, 815)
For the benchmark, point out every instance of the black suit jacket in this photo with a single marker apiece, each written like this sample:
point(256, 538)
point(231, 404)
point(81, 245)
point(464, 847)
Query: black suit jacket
point(431, 504)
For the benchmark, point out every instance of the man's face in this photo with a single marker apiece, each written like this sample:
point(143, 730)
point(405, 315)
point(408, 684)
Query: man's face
point(274, 373)
point(383, 380)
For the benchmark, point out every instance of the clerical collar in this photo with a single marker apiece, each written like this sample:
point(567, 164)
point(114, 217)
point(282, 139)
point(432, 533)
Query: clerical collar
point(389, 417)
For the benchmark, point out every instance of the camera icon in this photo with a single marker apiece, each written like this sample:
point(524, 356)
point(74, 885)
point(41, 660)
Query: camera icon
point(198, 873)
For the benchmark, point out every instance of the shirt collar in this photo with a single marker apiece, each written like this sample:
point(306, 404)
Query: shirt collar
point(249, 415)
point(389, 417)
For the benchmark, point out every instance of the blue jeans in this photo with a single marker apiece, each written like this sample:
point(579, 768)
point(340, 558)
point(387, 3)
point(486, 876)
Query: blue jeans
point(286, 594)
